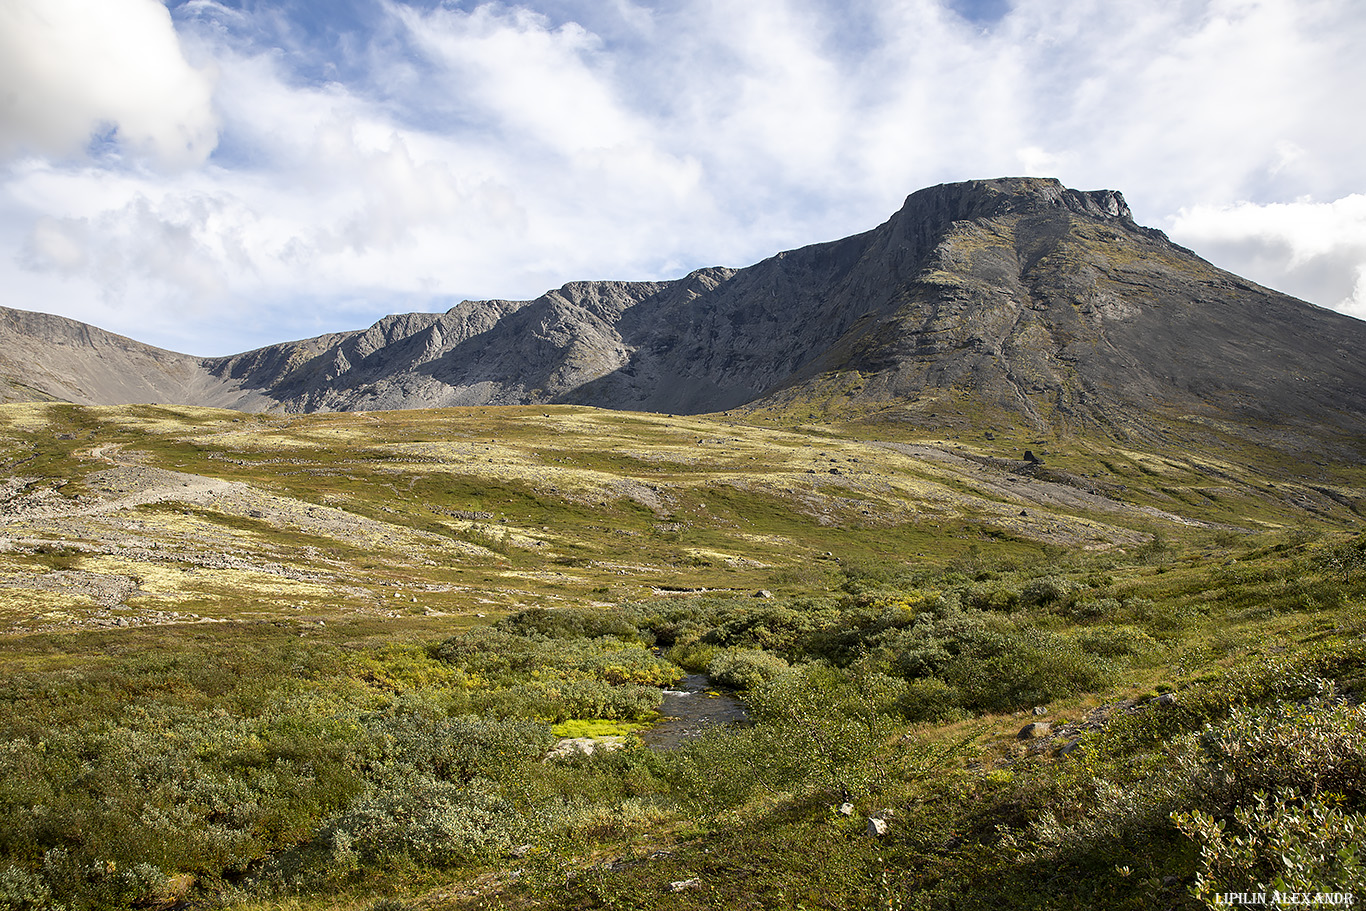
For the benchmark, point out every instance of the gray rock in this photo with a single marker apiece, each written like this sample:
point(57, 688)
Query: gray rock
point(1035, 729)
point(585, 746)
point(877, 826)
point(685, 885)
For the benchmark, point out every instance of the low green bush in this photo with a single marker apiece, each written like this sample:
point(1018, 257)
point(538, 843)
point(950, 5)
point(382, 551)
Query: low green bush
point(694, 656)
point(1286, 841)
point(1116, 642)
point(1316, 747)
point(990, 663)
point(495, 655)
point(575, 623)
point(745, 668)
point(931, 699)
point(993, 596)
point(1050, 592)
point(457, 749)
point(1086, 609)
point(21, 890)
point(422, 821)
point(1281, 799)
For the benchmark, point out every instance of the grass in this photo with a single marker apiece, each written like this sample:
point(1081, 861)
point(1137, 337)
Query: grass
point(594, 728)
point(409, 608)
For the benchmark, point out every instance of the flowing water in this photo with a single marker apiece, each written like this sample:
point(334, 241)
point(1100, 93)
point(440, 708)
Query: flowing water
point(692, 707)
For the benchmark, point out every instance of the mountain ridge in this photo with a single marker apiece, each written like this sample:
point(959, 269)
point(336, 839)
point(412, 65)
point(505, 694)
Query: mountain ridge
point(1036, 301)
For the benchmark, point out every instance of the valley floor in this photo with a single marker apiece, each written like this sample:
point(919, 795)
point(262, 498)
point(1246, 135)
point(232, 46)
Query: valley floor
point(280, 661)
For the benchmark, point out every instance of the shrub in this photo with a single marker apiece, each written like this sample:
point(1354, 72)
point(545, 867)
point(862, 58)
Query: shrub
point(491, 652)
point(744, 668)
point(623, 666)
point(452, 749)
point(694, 656)
point(930, 699)
point(1095, 609)
point(1344, 557)
point(574, 623)
point(422, 821)
point(1285, 842)
point(500, 657)
point(1116, 641)
point(557, 700)
point(784, 629)
point(1161, 617)
point(1316, 748)
point(21, 890)
point(1050, 591)
point(990, 663)
point(816, 727)
point(1009, 674)
point(1281, 791)
point(993, 597)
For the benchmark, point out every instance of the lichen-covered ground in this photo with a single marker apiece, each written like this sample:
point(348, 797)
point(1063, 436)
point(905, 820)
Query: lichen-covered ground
point(145, 515)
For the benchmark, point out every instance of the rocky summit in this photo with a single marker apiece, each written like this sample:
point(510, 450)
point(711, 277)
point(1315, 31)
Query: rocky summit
point(1014, 299)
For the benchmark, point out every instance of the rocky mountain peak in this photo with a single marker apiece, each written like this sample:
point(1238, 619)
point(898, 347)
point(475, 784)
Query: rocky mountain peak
point(977, 199)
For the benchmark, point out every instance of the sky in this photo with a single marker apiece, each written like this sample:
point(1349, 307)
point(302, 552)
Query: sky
point(211, 176)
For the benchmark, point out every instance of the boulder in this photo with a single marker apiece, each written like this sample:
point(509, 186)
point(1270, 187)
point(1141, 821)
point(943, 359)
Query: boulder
point(586, 746)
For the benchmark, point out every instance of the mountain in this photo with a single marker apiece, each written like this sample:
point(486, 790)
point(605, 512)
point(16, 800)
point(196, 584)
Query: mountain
point(51, 358)
point(1016, 297)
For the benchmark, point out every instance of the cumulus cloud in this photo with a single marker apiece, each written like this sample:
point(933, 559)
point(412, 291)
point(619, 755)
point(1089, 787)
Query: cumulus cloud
point(326, 177)
point(71, 71)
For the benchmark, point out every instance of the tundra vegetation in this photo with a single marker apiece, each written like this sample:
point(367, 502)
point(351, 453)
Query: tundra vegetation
point(269, 661)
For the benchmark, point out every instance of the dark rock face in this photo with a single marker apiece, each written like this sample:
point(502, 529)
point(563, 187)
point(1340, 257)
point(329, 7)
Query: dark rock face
point(1041, 303)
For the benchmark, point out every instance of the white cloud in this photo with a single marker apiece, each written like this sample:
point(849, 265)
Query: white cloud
point(71, 70)
point(499, 149)
point(1316, 251)
point(531, 80)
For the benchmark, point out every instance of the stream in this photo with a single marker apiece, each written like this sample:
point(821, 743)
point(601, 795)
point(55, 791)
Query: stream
point(689, 709)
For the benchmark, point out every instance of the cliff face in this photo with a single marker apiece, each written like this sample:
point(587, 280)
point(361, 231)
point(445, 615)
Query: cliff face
point(1048, 305)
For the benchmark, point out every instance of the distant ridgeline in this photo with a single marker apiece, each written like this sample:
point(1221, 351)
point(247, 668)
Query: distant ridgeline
point(1016, 300)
